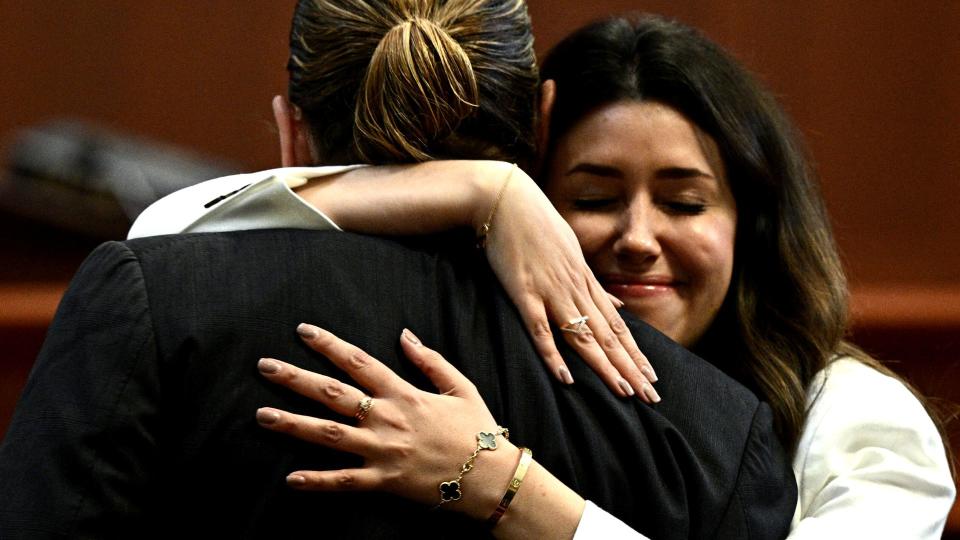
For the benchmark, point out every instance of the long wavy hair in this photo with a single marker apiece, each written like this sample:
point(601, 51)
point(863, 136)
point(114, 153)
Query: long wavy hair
point(785, 315)
point(396, 81)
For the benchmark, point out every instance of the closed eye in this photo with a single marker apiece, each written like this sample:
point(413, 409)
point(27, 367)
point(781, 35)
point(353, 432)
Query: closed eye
point(594, 204)
point(684, 208)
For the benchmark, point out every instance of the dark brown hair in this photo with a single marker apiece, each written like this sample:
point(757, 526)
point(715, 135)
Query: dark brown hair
point(394, 81)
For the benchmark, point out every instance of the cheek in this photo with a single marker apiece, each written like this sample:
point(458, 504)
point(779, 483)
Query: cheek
point(592, 232)
point(711, 254)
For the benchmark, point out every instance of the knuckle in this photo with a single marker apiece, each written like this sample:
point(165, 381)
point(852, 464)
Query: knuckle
point(344, 479)
point(541, 329)
point(289, 375)
point(396, 422)
point(324, 340)
point(637, 356)
point(617, 325)
point(358, 359)
point(400, 451)
point(286, 425)
point(610, 341)
point(416, 400)
point(428, 369)
point(433, 356)
point(332, 389)
point(585, 338)
point(332, 433)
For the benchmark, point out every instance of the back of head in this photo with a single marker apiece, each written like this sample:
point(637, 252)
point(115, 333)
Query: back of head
point(785, 312)
point(395, 81)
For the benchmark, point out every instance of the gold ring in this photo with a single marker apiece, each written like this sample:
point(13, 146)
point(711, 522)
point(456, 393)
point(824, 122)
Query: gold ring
point(577, 325)
point(363, 408)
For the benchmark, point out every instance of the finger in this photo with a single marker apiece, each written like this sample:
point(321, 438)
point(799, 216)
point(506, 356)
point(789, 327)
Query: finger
point(318, 431)
point(631, 380)
point(366, 370)
point(446, 378)
point(533, 313)
point(339, 480)
point(338, 396)
point(587, 332)
point(619, 327)
point(617, 303)
point(585, 343)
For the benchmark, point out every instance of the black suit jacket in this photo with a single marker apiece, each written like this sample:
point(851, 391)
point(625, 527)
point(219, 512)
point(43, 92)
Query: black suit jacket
point(138, 418)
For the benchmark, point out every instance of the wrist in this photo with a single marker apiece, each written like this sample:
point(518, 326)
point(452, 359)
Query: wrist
point(488, 179)
point(493, 471)
point(544, 507)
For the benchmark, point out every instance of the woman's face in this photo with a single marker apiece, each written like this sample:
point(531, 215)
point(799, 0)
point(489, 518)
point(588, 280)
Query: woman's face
point(646, 193)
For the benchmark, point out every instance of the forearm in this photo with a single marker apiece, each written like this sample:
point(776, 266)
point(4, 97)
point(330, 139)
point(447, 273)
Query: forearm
point(411, 199)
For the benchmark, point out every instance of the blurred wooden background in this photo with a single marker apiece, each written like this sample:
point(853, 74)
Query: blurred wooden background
point(872, 85)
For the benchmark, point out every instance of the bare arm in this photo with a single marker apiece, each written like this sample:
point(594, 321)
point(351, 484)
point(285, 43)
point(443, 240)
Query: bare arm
point(409, 199)
point(530, 247)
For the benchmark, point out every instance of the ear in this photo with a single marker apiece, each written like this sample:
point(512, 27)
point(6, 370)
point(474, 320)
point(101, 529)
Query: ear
point(295, 149)
point(548, 94)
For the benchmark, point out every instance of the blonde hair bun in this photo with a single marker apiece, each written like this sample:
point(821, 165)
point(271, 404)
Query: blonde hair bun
point(419, 86)
point(399, 81)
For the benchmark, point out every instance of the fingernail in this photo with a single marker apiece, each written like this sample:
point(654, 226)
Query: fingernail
point(651, 393)
point(296, 480)
point(649, 373)
point(618, 302)
point(308, 331)
point(268, 366)
point(565, 375)
point(267, 416)
point(408, 335)
point(625, 386)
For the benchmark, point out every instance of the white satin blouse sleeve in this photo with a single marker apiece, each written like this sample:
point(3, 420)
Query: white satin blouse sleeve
point(870, 463)
point(595, 524)
point(263, 200)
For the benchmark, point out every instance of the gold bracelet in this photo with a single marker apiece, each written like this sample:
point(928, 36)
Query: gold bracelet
point(484, 231)
point(526, 456)
point(450, 490)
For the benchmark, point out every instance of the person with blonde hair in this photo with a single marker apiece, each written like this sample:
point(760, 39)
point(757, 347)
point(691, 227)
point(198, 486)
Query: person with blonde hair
point(138, 420)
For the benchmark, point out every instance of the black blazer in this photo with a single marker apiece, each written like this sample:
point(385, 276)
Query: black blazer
point(138, 418)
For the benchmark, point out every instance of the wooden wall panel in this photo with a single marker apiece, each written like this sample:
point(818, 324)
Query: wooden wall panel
point(874, 91)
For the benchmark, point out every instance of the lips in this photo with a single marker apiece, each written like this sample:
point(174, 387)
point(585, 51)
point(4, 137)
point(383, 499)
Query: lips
point(638, 286)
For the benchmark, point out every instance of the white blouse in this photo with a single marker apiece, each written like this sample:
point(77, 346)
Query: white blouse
point(870, 463)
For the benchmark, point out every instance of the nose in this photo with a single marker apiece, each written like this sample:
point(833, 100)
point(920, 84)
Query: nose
point(638, 237)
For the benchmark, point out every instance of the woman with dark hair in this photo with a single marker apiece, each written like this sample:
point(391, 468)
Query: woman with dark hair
point(868, 459)
point(692, 201)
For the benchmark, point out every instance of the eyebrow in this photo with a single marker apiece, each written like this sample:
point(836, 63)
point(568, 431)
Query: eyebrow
point(595, 169)
point(680, 173)
point(667, 173)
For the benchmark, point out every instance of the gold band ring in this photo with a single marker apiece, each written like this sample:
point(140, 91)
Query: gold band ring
point(363, 408)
